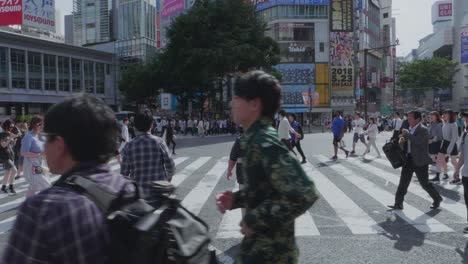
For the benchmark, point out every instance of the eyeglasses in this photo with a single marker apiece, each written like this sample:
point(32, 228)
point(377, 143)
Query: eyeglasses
point(48, 136)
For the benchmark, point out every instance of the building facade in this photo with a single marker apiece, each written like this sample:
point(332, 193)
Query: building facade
point(91, 21)
point(35, 74)
point(69, 29)
point(301, 31)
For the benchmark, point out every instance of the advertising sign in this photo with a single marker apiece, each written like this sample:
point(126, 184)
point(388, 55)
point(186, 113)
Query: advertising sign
point(297, 73)
point(341, 60)
point(11, 12)
point(166, 102)
point(464, 45)
point(445, 10)
point(171, 7)
point(265, 4)
point(341, 15)
point(39, 14)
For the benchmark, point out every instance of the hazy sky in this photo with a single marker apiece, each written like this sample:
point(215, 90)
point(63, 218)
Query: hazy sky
point(413, 21)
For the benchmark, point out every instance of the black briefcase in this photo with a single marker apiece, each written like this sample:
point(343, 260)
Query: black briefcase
point(394, 154)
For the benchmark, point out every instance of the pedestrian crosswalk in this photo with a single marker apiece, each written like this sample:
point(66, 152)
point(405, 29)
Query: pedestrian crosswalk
point(346, 188)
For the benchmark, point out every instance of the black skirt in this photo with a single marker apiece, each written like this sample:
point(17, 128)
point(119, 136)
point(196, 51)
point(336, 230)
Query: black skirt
point(434, 147)
point(444, 148)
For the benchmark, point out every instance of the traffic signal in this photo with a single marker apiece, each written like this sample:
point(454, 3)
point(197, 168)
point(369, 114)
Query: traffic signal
point(387, 79)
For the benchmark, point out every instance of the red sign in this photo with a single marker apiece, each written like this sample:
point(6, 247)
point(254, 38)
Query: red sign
point(11, 12)
point(445, 10)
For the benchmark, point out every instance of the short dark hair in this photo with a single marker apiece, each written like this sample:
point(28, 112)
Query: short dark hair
point(416, 114)
point(293, 116)
point(258, 84)
point(397, 113)
point(35, 121)
point(282, 112)
point(97, 142)
point(125, 119)
point(6, 125)
point(357, 113)
point(452, 115)
point(143, 122)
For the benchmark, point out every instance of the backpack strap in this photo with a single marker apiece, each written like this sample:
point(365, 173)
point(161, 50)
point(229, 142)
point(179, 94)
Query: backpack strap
point(104, 199)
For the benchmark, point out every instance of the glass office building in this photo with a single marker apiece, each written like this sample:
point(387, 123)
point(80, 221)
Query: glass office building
point(91, 21)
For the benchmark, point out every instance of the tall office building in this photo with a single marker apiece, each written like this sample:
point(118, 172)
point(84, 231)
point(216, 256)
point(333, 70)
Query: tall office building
point(69, 29)
point(136, 31)
point(91, 21)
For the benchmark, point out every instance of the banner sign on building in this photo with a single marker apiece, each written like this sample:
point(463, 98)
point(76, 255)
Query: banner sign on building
point(445, 10)
point(297, 73)
point(464, 45)
point(341, 16)
point(341, 61)
point(39, 14)
point(265, 4)
point(172, 7)
point(11, 12)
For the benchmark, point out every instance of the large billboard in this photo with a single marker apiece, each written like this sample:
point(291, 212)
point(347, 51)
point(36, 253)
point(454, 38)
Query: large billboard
point(341, 16)
point(39, 14)
point(464, 45)
point(265, 4)
point(341, 61)
point(11, 12)
point(171, 7)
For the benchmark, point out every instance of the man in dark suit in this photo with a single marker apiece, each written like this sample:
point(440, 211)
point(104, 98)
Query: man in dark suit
point(415, 143)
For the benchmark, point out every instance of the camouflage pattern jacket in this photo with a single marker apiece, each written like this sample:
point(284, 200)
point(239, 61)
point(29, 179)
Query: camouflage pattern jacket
point(277, 191)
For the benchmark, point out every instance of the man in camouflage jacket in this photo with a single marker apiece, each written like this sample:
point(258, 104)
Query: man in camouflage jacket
point(277, 190)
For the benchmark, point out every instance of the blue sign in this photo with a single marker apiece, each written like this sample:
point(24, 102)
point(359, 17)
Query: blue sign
point(297, 73)
point(464, 46)
point(270, 3)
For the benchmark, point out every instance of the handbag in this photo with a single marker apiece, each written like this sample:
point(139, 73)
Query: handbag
point(394, 154)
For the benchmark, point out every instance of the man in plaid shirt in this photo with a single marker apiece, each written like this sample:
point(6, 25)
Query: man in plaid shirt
point(60, 225)
point(146, 158)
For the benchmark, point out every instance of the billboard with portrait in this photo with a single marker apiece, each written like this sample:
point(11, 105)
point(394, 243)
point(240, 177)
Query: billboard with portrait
point(297, 73)
point(341, 61)
point(11, 12)
point(39, 14)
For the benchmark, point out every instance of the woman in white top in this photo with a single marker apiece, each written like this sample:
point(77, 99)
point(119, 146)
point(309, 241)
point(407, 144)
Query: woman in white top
point(449, 144)
point(201, 130)
point(372, 131)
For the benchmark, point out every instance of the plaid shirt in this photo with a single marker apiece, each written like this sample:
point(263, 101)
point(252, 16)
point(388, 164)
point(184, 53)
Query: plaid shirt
point(58, 225)
point(146, 159)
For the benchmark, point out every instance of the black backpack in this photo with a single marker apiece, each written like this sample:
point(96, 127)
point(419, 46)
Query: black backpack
point(159, 231)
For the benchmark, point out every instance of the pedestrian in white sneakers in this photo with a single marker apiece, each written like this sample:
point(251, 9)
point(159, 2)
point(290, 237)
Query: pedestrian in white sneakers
point(371, 132)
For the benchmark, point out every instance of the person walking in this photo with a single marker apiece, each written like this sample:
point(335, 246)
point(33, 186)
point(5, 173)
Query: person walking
point(396, 125)
point(415, 144)
point(235, 160)
point(146, 158)
point(60, 225)
point(338, 130)
point(284, 130)
point(190, 126)
point(371, 132)
point(277, 190)
point(295, 141)
point(124, 138)
point(7, 157)
point(201, 128)
point(32, 149)
point(358, 129)
point(436, 134)
point(462, 164)
point(169, 137)
point(448, 149)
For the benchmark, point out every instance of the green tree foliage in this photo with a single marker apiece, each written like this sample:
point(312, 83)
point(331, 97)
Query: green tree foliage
point(433, 73)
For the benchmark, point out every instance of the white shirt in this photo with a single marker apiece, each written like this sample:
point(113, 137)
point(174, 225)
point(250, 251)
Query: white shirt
point(124, 133)
point(397, 122)
point(284, 128)
point(372, 131)
point(358, 126)
point(412, 130)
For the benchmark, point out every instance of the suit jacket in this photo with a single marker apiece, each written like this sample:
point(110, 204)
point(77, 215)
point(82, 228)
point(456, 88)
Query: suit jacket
point(419, 141)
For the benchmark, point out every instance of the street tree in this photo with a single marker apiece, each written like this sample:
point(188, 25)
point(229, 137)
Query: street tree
point(428, 74)
point(214, 39)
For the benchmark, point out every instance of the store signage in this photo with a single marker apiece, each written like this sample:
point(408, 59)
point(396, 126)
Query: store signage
point(445, 10)
point(294, 48)
point(40, 15)
point(341, 16)
point(464, 45)
point(265, 4)
point(11, 12)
